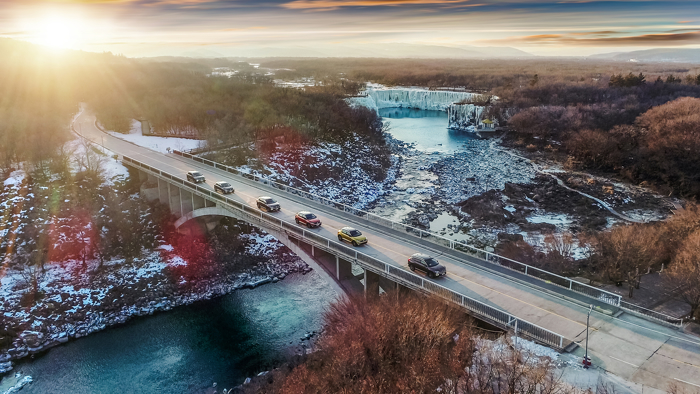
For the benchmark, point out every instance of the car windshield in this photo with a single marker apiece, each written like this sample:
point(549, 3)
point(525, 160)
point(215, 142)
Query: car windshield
point(224, 184)
point(196, 174)
point(354, 233)
point(269, 201)
point(431, 262)
point(310, 216)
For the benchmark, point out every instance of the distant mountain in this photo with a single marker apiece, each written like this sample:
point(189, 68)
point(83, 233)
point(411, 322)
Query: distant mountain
point(398, 50)
point(16, 50)
point(680, 55)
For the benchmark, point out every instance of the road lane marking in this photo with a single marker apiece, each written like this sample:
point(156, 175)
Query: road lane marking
point(519, 300)
point(692, 384)
point(623, 361)
point(685, 362)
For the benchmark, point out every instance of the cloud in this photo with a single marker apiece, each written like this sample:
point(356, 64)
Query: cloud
point(327, 5)
point(606, 38)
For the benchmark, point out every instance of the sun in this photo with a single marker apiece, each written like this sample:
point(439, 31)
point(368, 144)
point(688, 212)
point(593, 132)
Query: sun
point(57, 31)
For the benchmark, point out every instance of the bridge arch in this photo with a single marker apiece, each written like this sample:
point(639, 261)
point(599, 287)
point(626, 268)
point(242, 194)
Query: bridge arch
point(200, 212)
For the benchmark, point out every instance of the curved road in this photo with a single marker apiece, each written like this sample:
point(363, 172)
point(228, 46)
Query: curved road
point(632, 348)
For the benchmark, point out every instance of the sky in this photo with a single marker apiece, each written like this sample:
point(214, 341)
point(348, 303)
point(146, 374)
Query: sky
point(350, 27)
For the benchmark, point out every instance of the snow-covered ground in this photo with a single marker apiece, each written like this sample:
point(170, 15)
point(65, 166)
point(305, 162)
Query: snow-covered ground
point(159, 144)
point(343, 173)
point(111, 168)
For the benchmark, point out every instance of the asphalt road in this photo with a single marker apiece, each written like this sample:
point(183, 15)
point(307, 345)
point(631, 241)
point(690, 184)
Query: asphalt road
point(632, 348)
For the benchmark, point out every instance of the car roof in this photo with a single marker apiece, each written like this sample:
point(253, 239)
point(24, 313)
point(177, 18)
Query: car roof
point(192, 172)
point(303, 212)
point(421, 255)
point(221, 182)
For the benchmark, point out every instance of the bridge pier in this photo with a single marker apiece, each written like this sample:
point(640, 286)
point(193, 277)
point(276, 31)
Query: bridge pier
point(387, 284)
point(343, 269)
point(174, 200)
point(371, 283)
point(198, 202)
point(186, 200)
point(163, 192)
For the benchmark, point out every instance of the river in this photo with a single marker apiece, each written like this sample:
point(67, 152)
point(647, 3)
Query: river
point(227, 339)
point(188, 349)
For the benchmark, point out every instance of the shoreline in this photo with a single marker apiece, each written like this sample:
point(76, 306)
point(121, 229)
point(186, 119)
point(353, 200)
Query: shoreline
point(31, 342)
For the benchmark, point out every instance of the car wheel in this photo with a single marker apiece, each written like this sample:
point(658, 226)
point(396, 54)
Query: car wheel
point(297, 220)
point(431, 275)
point(309, 225)
point(340, 238)
point(412, 268)
point(354, 243)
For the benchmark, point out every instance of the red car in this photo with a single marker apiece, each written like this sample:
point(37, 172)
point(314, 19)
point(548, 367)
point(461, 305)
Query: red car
point(308, 219)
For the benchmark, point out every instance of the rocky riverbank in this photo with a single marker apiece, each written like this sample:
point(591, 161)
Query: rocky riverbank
point(487, 190)
point(75, 300)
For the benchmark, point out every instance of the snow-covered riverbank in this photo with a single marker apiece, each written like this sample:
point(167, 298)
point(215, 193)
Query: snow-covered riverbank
point(75, 300)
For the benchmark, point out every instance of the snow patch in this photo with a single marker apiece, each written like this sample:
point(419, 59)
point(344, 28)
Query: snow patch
point(159, 144)
point(16, 178)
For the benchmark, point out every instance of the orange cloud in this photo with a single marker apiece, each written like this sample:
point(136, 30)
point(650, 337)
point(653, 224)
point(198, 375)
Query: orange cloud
point(335, 4)
point(574, 39)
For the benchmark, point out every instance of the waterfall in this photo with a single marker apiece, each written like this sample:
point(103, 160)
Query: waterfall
point(464, 117)
point(410, 98)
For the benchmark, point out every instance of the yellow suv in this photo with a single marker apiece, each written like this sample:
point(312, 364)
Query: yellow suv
point(349, 234)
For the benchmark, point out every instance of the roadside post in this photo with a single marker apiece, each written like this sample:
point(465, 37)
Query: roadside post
point(586, 360)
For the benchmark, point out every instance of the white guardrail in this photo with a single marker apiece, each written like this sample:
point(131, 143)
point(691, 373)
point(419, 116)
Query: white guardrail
point(478, 309)
point(546, 276)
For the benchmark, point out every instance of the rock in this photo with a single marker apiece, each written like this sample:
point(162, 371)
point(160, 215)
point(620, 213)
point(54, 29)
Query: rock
point(5, 367)
point(510, 237)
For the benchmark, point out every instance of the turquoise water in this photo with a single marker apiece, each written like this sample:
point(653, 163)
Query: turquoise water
point(188, 349)
point(427, 129)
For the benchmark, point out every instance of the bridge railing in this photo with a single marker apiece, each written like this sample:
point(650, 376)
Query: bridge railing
point(477, 308)
point(562, 281)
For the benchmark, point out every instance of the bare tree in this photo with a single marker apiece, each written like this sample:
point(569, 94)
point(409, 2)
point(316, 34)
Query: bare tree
point(88, 159)
point(684, 273)
point(628, 252)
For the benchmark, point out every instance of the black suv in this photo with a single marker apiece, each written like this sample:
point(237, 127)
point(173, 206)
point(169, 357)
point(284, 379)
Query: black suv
point(223, 187)
point(268, 204)
point(427, 264)
point(195, 176)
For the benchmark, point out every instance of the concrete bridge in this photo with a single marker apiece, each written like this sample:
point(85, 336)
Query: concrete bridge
point(639, 345)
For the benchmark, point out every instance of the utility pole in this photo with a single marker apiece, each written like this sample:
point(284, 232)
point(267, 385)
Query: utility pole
point(586, 360)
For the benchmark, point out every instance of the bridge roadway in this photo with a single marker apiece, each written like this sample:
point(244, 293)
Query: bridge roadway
point(635, 349)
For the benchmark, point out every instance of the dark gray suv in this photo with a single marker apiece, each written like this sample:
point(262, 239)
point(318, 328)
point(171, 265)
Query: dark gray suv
point(223, 187)
point(268, 204)
point(195, 176)
point(427, 264)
